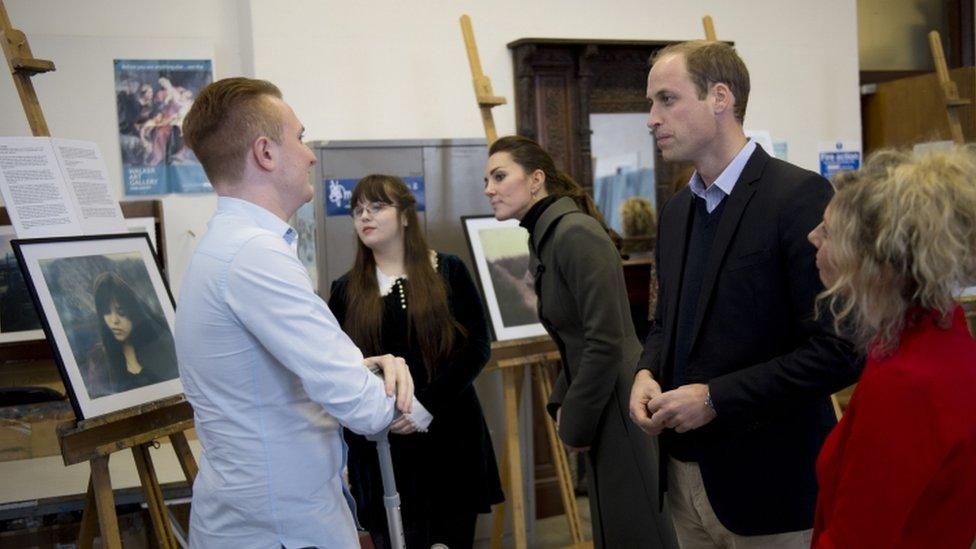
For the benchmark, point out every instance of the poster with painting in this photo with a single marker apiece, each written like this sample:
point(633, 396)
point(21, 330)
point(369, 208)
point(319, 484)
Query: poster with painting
point(152, 98)
point(500, 250)
point(108, 313)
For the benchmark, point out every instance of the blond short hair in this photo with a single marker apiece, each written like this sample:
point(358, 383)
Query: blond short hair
point(225, 120)
point(901, 234)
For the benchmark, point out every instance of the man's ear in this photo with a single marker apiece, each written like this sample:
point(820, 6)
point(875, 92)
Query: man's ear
point(723, 99)
point(264, 153)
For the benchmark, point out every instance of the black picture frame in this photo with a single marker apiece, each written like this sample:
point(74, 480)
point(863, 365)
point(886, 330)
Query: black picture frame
point(108, 313)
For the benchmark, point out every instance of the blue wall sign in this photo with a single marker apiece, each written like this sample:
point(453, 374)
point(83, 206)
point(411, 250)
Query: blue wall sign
point(338, 194)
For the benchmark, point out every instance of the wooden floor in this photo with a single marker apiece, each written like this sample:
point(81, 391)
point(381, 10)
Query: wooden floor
point(552, 532)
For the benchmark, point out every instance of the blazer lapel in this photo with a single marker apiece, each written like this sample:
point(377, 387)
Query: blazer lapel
point(736, 204)
point(672, 266)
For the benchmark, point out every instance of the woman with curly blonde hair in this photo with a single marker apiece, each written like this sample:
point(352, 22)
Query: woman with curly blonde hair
point(897, 244)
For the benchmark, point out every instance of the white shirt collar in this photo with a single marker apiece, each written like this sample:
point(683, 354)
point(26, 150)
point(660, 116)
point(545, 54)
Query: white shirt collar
point(262, 217)
point(727, 179)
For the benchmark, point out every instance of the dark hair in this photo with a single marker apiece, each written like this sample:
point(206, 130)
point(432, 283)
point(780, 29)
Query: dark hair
point(531, 157)
point(109, 288)
point(225, 120)
point(710, 63)
point(430, 318)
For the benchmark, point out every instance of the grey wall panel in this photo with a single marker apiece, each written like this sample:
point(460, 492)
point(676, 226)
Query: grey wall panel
point(458, 172)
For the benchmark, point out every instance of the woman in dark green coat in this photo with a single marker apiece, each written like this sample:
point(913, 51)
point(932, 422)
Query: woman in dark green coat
point(583, 305)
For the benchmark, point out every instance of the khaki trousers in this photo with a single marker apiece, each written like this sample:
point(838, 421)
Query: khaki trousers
point(697, 526)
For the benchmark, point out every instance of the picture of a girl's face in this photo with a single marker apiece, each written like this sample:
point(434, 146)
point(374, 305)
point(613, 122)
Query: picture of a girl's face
point(118, 322)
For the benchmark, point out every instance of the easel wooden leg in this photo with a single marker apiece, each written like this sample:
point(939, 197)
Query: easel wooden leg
point(108, 522)
point(89, 519)
point(154, 497)
point(541, 378)
point(498, 513)
point(185, 456)
point(511, 464)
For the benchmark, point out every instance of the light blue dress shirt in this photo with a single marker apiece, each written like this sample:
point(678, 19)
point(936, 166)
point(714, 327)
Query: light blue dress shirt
point(725, 182)
point(271, 376)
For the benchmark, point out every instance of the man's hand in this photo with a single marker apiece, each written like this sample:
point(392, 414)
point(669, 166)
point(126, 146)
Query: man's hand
point(682, 409)
point(402, 426)
point(396, 376)
point(572, 449)
point(645, 390)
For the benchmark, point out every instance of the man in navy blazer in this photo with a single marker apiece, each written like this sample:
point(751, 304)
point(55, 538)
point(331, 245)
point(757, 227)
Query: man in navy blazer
point(737, 370)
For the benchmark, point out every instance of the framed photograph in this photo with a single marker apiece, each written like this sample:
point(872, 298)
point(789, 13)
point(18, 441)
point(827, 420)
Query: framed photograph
point(18, 318)
point(500, 250)
point(137, 225)
point(108, 313)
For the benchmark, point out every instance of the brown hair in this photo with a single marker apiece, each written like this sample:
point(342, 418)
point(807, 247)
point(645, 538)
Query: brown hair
point(430, 320)
point(531, 157)
point(225, 120)
point(902, 234)
point(712, 63)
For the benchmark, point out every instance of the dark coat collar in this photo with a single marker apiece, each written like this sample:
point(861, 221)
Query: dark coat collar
point(547, 221)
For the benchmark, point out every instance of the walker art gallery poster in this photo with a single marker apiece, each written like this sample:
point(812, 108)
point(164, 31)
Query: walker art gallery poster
point(152, 98)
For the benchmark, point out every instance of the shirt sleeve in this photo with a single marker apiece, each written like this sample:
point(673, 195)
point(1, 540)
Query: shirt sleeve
point(271, 294)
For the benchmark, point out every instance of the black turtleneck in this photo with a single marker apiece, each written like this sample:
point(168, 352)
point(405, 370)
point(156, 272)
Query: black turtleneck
point(535, 212)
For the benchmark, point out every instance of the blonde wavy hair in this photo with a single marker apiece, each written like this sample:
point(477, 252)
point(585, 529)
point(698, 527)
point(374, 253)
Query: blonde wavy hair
point(638, 217)
point(901, 234)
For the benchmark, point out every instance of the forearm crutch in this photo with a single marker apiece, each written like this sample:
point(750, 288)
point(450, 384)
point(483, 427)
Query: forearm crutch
point(391, 499)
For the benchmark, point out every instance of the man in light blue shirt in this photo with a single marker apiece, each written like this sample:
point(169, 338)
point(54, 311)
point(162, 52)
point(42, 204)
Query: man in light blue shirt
point(268, 370)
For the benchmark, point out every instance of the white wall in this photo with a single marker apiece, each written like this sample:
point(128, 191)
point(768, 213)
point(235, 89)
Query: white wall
point(78, 99)
point(379, 69)
point(384, 69)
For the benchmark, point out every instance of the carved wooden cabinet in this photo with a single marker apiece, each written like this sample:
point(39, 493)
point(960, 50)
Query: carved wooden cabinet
point(559, 83)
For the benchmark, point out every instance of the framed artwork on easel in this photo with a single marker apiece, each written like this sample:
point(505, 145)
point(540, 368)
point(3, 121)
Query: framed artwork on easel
point(500, 251)
point(108, 313)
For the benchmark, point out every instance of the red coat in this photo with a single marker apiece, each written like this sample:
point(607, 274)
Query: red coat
point(899, 470)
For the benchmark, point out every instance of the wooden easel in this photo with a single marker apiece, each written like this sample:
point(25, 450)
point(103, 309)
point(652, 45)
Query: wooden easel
point(709, 28)
point(482, 84)
point(23, 66)
point(511, 357)
point(950, 93)
point(94, 440)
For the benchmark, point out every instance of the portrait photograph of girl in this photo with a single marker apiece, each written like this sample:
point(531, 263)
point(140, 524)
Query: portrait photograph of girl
point(114, 323)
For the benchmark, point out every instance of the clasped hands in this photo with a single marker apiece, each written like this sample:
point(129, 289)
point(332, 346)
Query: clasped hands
point(396, 378)
point(681, 409)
